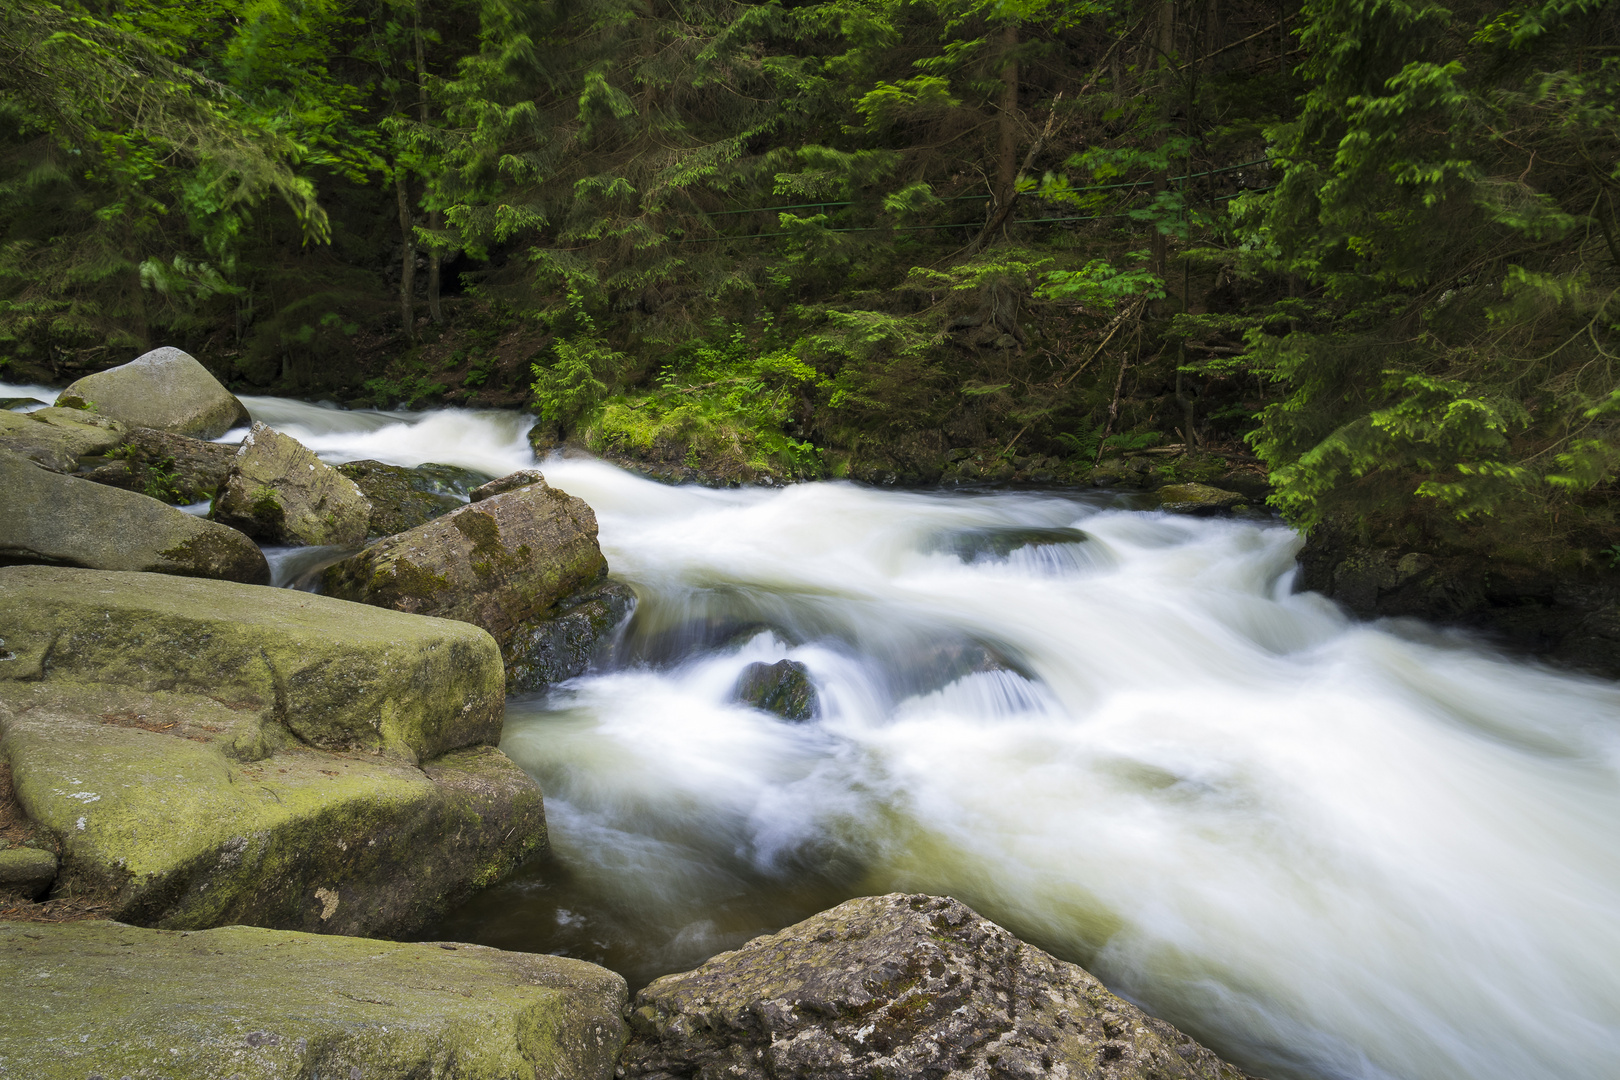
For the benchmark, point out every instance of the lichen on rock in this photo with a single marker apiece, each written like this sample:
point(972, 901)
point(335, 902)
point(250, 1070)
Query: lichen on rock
point(103, 999)
point(64, 520)
point(497, 563)
point(279, 492)
point(900, 986)
point(166, 389)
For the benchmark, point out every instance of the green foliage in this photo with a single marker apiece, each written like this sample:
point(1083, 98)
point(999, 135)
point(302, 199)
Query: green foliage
point(1446, 192)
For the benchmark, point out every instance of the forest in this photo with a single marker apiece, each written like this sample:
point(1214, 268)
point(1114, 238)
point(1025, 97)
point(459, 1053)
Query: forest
point(1368, 245)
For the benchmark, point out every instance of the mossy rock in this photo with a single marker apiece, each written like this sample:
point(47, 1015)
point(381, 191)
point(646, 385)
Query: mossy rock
point(900, 986)
point(549, 650)
point(277, 491)
point(783, 688)
point(498, 563)
point(181, 812)
point(104, 999)
point(59, 438)
point(998, 543)
point(400, 498)
point(1197, 500)
point(172, 468)
point(166, 389)
point(25, 872)
point(64, 520)
point(340, 676)
point(214, 753)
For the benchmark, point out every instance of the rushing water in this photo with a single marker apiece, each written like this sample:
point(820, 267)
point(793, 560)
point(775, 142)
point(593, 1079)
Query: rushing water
point(1327, 848)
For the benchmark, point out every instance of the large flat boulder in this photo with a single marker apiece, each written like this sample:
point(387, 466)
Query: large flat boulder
point(900, 986)
point(99, 999)
point(166, 389)
point(46, 517)
point(498, 563)
point(203, 753)
point(279, 492)
point(58, 438)
point(338, 676)
point(173, 468)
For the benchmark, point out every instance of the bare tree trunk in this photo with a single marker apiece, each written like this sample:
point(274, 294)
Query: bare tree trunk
point(1166, 47)
point(435, 219)
point(407, 275)
point(1007, 125)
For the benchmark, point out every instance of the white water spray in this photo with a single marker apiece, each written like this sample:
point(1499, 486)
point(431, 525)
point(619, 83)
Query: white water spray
point(1327, 848)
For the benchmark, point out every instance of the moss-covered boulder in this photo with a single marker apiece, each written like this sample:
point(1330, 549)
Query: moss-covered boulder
point(100, 999)
point(25, 872)
point(1197, 500)
point(783, 688)
point(204, 753)
point(166, 389)
point(547, 650)
point(59, 438)
point(338, 676)
point(900, 986)
point(400, 498)
point(497, 563)
point(173, 468)
point(63, 520)
point(277, 491)
point(509, 482)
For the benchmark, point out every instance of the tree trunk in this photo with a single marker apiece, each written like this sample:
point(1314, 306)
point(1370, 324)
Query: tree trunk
point(407, 274)
point(1166, 47)
point(1007, 125)
point(435, 219)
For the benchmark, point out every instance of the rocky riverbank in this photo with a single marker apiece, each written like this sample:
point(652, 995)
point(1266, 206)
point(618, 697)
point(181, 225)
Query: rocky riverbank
point(257, 783)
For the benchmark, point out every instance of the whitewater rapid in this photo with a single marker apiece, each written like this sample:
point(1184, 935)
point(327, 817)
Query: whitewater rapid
point(1327, 848)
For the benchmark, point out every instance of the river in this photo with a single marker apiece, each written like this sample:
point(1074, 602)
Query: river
point(1326, 848)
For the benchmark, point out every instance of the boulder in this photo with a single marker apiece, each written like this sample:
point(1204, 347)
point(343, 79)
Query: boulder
point(544, 651)
point(58, 438)
point(25, 872)
point(400, 498)
point(166, 389)
point(51, 518)
point(900, 986)
point(339, 676)
point(1197, 500)
point(13, 403)
point(511, 482)
point(105, 1000)
point(782, 688)
point(279, 492)
point(498, 563)
point(205, 753)
point(997, 543)
point(173, 468)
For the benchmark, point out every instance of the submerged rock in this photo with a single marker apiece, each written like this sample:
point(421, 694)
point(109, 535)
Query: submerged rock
point(971, 545)
point(1197, 500)
point(783, 688)
point(498, 563)
point(166, 389)
point(264, 1004)
point(173, 468)
point(205, 753)
point(900, 986)
point(279, 492)
point(58, 438)
point(544, 651)
point(64, 520)
point(400, 498)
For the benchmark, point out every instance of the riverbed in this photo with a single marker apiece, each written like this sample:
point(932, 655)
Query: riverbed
point(1325, 848)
